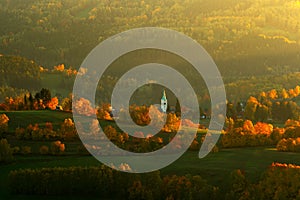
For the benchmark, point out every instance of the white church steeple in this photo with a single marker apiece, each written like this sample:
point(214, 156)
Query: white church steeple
point(164, 102)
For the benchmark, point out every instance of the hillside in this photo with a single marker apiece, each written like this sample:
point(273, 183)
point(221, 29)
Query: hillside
point(245, 38)
point(252, 42)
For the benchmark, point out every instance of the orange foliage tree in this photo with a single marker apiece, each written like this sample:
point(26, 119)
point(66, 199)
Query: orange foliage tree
point(68, 130)
point(3, 124)
point(83, 106)
point(57, 147)
point(104, 111)
point(250, 108)
point(52, 103)
point(59, 68)
point(280, 181)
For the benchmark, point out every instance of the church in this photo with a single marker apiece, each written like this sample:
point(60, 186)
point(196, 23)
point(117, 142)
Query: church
point(166, 106)
point(164, 102)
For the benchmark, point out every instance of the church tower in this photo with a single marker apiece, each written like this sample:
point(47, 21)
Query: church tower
point(164, 102)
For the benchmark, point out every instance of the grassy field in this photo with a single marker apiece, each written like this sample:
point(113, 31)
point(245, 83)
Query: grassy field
point(24, 118)
point(215, 168)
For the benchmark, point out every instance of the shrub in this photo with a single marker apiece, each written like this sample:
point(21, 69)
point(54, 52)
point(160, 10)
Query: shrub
point(292, 132)
point(239, 186)
point(20, 132)
point(277, 134)
point(3, 124)
point(68, 130)
point(100, 181)
point(16, 150)
point(105, 182)
point(6, 153)
point(25, 150)
point(215, 149)
point(195, 146)
point(249, 135)
point(280, 181)
point(187, 187)
point(290, 144)
point(138, 191)
point(44, 150)
point(57, 147)
point(36, 133)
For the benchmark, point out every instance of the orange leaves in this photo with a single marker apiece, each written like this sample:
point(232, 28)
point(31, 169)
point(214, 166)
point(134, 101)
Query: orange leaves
point(57, 147)
point(252, 100)
point(59, 68)
point(172, 123)
point(140, 114)
point(68, 130)
point(263, 128)
point(104, 112)
point(273, 94)
point(290, 145)
point(3, 119)
point(297, 90)
point(291, 122)
point(251, 135)
point(53, 103)
point(280, 181)
point(83, 106)
point(284, 93)
point(284, 165)
point(111, 133)
point(248, 126)
point(250, 108)
point(258, 128)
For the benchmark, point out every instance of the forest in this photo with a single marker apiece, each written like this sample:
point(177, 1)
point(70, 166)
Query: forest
point(250, 41)
point(254, 43)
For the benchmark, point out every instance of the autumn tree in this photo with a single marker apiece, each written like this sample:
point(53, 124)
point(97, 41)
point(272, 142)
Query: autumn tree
point(261, 113)
point(6, 152)
point(53, 103)
point(263, 128)
point(284, 94)
point(43, 97)
point(57, 147)
point(239, 186)
point(68, 129)
point(273, 94)
point(140, 114)
point(230, 111)
point(3, 124)
point(105, 112)
point(250, 108)
point(59, 68)
point(280, 181)
point(66, 104)
point(83, 106)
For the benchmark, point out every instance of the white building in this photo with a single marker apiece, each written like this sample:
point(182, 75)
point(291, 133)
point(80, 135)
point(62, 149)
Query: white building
point(164, 102)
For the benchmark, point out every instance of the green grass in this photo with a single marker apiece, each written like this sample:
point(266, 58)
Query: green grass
point(215, 168)
point(24, 118)
point(84, 13)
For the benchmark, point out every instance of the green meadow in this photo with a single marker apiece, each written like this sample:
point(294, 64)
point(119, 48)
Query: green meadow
point(215, 168)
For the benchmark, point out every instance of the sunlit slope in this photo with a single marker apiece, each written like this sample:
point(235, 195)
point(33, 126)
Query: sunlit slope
point(248, 37)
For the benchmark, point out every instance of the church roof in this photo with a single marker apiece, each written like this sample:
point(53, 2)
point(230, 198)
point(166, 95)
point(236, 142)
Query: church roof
point(164, 97)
